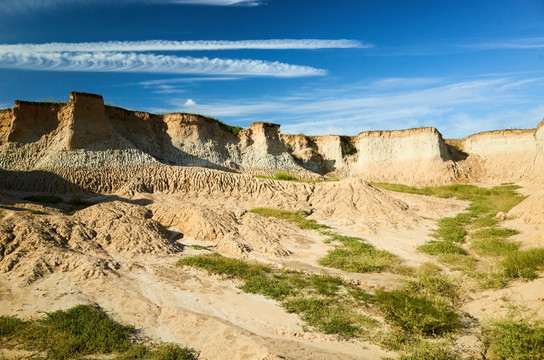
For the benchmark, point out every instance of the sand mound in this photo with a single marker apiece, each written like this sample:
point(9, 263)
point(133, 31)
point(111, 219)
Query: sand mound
point(530, 210)
point(34, 245)
point(126, 228)
point(234, 230)
point(354, 203)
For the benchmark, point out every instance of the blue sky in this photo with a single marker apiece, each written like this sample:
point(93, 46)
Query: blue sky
point(313, 66)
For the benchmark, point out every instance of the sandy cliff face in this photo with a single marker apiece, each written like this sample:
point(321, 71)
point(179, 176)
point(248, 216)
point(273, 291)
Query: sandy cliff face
point(407, 156)
point(86, 133)
point(322, 154)
point(507, 155)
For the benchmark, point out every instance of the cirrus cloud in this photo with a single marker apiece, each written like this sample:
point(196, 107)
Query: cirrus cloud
point(13, 6)
point(149, 63)
point(193, 45)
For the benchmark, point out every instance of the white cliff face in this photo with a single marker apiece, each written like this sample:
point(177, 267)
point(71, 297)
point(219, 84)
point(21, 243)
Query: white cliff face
point(394, 146)
point(490, 144)
point(539, 134)
point(507, 155)
point(416, 156)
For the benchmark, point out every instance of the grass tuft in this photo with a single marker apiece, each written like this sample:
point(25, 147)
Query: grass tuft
point(417, 314)
point(524, 264)
point(234, 130)
point(280, 175)
point(441, 247)
point(37, 212)
point(297, 217)
point(355, 255)
point(200, 247)
point(511, 338)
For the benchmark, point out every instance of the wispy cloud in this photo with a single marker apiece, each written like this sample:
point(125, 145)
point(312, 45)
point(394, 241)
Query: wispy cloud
point(518, 84)
point(150, 63)
point(355, 108)
point(513, 44)
point(159, 82)
point(196, 45)
point(213, 2)
point(10, 6)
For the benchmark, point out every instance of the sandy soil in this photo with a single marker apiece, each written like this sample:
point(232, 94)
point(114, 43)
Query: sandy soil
point(118, 255)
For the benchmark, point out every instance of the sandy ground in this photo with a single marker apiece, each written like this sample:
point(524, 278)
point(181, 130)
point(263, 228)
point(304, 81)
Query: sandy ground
point(208, 313)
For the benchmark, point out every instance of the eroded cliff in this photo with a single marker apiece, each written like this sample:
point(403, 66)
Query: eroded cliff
point(85, 133)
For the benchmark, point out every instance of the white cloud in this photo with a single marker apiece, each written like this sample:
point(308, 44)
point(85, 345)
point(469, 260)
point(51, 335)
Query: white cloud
point(518, 84)
point(213, 2)
point(513, 44)
point(159, 82)
point(11, 6)
point(196, 45)
point(149, 63)
point(189, 102)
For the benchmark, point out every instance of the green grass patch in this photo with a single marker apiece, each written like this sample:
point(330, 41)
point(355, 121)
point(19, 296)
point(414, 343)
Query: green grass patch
point(511, 338)
point(524, 264)
point(283, 176)
point(494, 246)
point(220, 265)
point(200, 247)
point(422, 350)
point(280, 175)
point(328, 315)
point(435, 247)
point(485, 221)
point(297, 217)
point(44, 199)
point(234, 130)
point(37, 212)
point(355, 255)
point(430, 280)
point(78, 332)
point(156, 352)
point(452, 229)
point(417, 314)
point(461, 262)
